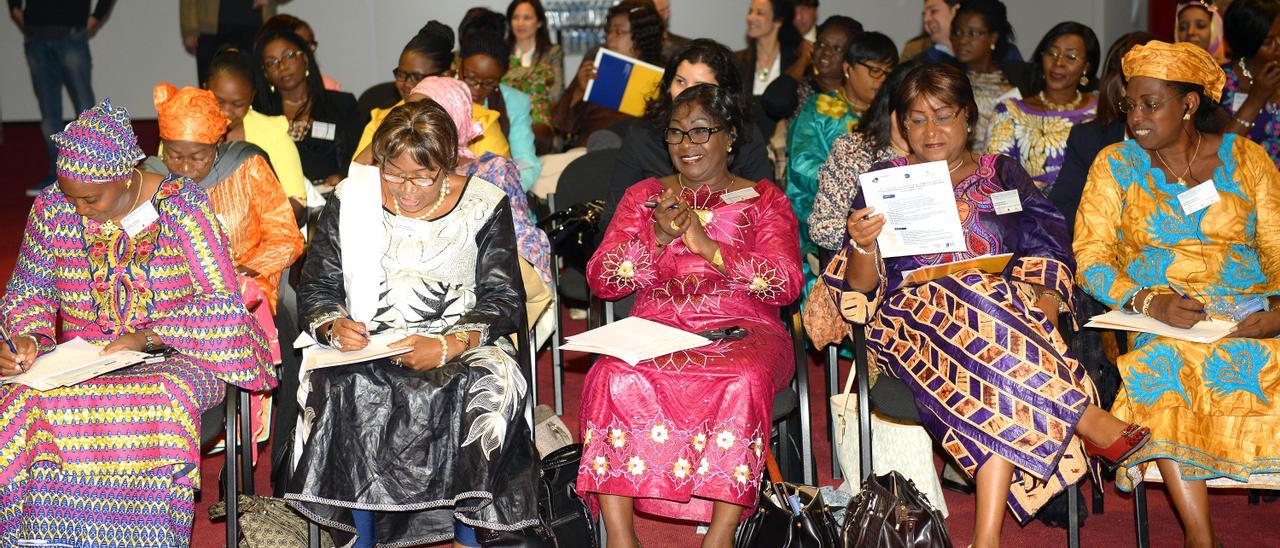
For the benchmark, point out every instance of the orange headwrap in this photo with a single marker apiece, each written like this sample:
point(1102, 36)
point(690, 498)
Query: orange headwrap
point(188, 114)
point(1181, 62)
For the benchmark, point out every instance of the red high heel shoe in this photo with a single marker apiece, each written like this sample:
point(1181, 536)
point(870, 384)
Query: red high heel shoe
point(1132, 438)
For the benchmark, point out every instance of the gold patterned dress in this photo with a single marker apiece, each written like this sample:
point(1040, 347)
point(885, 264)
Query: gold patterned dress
point(1036, 138)
point(1215, 408)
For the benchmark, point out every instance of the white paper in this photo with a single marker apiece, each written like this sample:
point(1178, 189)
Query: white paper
point(73, 362)
point(1006, 202)
point(1238, 100)
point(1204, 332)
point(1198, 197)
point(139, 219)
point(634, 340)
point(319, 357)
point(919, 206)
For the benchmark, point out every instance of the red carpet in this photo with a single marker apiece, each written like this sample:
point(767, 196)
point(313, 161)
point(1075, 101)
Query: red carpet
point(1238, 524)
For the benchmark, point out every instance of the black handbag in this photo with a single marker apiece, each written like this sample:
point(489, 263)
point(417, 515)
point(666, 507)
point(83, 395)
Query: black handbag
point(891, 513)
point(573, 232)
point(559, 505)
point(776, 523)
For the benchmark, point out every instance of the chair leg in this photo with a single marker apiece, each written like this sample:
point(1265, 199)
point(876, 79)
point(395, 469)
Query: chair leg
point(1255, 496)
point(1140, 515)
point(313, 534)
point(231, 472)
point(833, 383)
point(1073, 519)
point(557, 355)
point(807, 458)
point(1098, 499)
point(247, 441)
point(861, 368)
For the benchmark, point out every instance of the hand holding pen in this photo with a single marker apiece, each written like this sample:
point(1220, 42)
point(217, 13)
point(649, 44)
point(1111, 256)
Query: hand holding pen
point(16, 356)
point(671, 217)
point(1177, 309)
point(347, 335)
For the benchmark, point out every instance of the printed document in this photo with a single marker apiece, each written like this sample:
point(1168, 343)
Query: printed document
point(74, 362)
point(919, 206)
point(634, 340)
point(320, 357)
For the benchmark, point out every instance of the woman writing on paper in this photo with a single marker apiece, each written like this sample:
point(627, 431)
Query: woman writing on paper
point(992, 379)
point(426, 258)
point(683, 435)
point(129, 261)
point(1183, 208)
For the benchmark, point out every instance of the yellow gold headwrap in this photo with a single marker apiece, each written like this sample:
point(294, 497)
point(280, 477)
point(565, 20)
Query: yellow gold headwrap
point(188, 114)
point(1181, 62)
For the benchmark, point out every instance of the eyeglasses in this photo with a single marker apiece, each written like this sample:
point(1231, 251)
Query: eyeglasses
point(1057, 57)
point(940, 119)
point(478, 83)
point(1127, 105)
point(411, 77)
point(697, 135)
point(957, 34)
point(291, 56)
point(420, 182)
point(874, 71)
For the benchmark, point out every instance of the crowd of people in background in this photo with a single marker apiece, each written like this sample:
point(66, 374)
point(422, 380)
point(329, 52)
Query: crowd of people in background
point(1138, 175)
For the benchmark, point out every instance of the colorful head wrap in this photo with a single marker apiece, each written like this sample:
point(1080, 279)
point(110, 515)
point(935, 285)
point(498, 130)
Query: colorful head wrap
point(1181, 62)
point(455, 97)
point(1217, 48)
point(188, 114)
point(98, 147)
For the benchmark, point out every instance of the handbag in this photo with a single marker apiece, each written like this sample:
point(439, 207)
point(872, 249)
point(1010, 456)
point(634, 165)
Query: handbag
point(787, 516)
point(559, 505)
point(549, 432)
point(822, 320)
point(267, 522)
point(573, 231)
point(891, 513)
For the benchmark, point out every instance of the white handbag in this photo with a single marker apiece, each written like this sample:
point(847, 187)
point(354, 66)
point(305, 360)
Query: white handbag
point(906, 448)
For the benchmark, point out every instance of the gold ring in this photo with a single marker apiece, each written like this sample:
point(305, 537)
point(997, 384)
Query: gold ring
point(674, 226)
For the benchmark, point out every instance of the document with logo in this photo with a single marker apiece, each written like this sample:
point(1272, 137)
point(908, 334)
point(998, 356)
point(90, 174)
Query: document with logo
point(919, 208)
point(72, 363)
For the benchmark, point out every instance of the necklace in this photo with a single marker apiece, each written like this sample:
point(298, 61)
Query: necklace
point(959, 163)
point(1244, 71)
point(444, 193)
point(763, 73)
point(1186, 172)
point(856, 107)
point(111, 223)
point(1054, 106)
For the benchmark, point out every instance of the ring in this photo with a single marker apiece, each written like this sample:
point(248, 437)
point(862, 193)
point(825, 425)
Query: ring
point(336, 344)
point(396, 361)
point(674, 226)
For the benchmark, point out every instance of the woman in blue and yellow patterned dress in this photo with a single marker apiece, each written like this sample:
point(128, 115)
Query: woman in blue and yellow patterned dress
point(868, 58)
point(1213, 409)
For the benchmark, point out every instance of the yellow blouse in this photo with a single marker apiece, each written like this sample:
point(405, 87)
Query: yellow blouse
point(271, 134)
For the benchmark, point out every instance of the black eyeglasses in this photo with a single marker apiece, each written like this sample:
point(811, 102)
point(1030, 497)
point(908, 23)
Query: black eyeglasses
point(874, 71)
point(412, 77)
point(697, 135)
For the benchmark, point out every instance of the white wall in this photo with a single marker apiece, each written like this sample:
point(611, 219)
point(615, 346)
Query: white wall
point(361, 39)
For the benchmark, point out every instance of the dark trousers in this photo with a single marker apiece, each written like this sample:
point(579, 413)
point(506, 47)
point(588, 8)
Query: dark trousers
point(57, 62)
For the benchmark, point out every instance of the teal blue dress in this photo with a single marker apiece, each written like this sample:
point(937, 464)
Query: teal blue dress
point(823, 118)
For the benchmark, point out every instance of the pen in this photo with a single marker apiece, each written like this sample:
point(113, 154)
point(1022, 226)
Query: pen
point(652, 204)
point(8, 341)
point(365, 335)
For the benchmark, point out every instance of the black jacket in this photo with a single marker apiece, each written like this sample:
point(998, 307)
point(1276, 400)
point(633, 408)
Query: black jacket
point(1083, 145)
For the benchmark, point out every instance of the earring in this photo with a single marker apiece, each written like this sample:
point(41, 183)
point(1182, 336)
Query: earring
point(307, 74)
point(730, 147)
point(272, 88)
point(1186, 116)
point(1084, 80)
point(993, 47)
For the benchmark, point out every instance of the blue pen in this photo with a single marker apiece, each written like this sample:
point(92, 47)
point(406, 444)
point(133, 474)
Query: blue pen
point(365, 335)
point(5, 334)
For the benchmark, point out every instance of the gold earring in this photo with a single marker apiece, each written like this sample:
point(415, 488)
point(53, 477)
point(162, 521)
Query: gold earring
point(1186, 116)
point(993, 47)
point(1084, 80)
point(730, 148)
point(272, 88)
point(307, 73)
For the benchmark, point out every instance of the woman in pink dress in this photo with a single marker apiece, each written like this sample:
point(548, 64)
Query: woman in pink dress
point(684, 435)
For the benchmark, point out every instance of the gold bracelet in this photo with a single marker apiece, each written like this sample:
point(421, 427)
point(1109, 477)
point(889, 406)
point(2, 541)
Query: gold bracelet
point(1146, 303)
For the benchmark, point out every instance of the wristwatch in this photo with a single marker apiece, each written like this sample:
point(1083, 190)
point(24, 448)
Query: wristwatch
point(464, 337)
point(150, 343)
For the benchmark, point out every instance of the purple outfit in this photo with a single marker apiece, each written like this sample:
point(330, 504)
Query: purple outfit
point(1266, 127)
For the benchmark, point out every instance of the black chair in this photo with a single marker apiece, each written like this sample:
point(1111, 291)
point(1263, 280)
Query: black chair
point(239, 467)
point(791, 411)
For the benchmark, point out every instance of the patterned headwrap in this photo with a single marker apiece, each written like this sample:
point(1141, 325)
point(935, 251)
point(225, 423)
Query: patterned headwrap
point(455, 97)
point(188, 114)
point(1217, 48)
point(1181, 62)
point(98, 147)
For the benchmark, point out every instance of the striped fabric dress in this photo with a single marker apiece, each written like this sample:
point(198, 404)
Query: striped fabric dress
point(114, 461)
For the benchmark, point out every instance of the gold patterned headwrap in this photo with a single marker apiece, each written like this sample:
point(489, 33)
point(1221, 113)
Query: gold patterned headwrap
point(1181, 62)
point(188, 114)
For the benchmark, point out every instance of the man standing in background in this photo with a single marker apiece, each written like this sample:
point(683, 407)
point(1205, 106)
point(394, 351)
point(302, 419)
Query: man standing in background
point(671, 43)
point(210, 24)
point(55, 38)
point(806, 20)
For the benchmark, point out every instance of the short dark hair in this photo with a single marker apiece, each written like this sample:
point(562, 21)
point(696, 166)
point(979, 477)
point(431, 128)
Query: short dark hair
point(996, 16)
point(486, 42)
point(876, 125)
point(1210, 116)
point(870, 46)
point(542, 38)
point(646, 28)
point(231, 61)
point(282, 21)
point(435, 42)
point(482, 18)
point(943, 82)
point(849, 25)
point(423, 129)
point(1092, 51)
point(1246, 25)
point(705, 51)
point(1111, 86)
point(807, 3)
point(725, 108)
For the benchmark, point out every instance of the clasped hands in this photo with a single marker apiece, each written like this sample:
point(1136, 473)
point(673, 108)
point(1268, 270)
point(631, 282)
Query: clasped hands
point(351, 336)
point(670, 223)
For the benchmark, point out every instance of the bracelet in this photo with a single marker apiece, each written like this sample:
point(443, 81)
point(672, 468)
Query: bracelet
point(444, 349)
point(1244, 124)
point(1133, 301)
point(150, 343)
point(859, 249)
point(1146, 303)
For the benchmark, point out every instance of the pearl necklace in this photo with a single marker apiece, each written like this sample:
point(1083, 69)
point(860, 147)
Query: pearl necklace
point(444, 193)
point(1056, 107)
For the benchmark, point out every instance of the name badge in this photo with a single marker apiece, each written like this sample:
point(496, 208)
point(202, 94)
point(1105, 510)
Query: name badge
point(324, 130)
point(410, 227)
point(1006, 202)
point(139, 219)
point(739, 195)
point(1238, 100)
point(1198, 197)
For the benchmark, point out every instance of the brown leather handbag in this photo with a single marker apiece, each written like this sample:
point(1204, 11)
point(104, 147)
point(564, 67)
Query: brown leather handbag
point(890, 512)
point(780, 521)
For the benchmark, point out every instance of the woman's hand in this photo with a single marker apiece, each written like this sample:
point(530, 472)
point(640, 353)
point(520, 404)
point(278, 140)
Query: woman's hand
point(864, 227)
point(696, 239)
point(1266, 82)
point(135, 342)
point(804, 57)
point(13, 364)
point(669, 223)
point(347, 335)
point(425, 354)
point(1178, 311)
point(1264, 324)
point(586, 73)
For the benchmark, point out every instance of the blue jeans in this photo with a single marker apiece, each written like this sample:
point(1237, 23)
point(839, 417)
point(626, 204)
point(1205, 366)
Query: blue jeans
point(367, 537)
point(54, 63)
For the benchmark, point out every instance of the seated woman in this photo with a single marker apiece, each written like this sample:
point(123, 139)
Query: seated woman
point(774, 48)
point(1252, 92)
point(483, 60)
point(537, 65)
point(129, 261)
point(324, 124)
point(428, 55)
point(1213, 409)
point(1198, 22)
point(868, 58)
point(408, 251)
point(982, 38)
point(992, 379)
point(827, 71)
point(684, 435)
point(231, 81)
point(1034, 130)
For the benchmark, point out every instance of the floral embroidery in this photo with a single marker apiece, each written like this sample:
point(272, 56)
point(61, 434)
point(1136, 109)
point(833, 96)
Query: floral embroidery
point(629, 266)
point(659, 433)
point(700, 442)
point(726, 439)
point(635, 465)
point(761, 278)
point(119, 266)
point(681, 469)
point(757, 445)
point(601, 464)
point(617, 437)
point(586, 438)
point(703, 467)
point(742, 473)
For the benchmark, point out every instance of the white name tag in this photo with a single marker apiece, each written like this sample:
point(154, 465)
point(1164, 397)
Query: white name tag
point(1006, 202)
point(1198, 197)
point(1238, 100)
point(739, 195)
point(323, 130)
point(410, 227)
point(139, 219)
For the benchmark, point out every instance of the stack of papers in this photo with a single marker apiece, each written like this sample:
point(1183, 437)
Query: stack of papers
point(1204, 332)
point(994, 264)
point(634, 340)
point(320, 357)
point(72, 363)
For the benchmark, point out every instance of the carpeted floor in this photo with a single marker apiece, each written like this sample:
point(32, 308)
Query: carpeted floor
point(1238, 523)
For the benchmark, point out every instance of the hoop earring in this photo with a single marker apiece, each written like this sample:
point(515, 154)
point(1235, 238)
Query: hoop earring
point(1084, 80)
